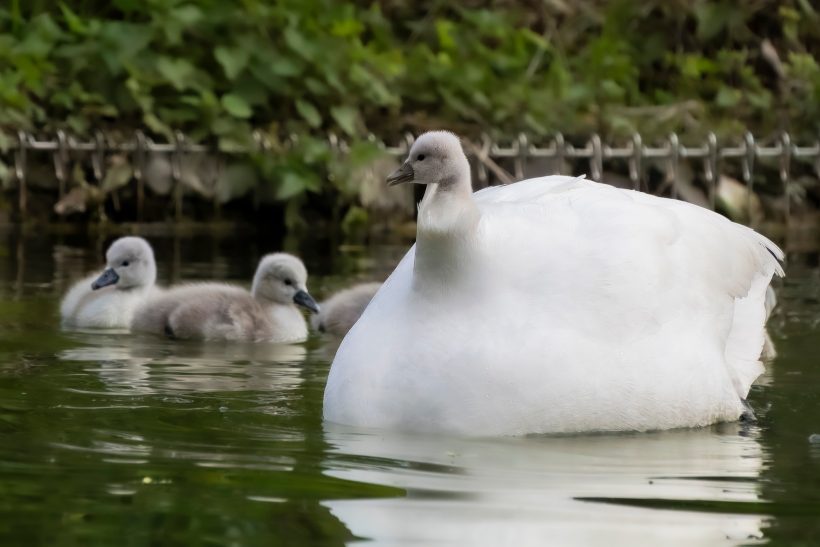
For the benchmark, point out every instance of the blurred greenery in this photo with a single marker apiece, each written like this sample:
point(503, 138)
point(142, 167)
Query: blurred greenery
point(216, 69)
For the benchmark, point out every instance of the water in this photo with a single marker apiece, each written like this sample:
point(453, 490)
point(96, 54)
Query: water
point(109, 438)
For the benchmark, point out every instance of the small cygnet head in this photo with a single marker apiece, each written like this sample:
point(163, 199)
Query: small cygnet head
point(129, 264)
point(282, 278)
point(435, 158)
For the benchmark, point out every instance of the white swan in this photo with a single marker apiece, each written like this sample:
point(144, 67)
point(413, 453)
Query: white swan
point(108, 299)
point(217, 311)
point(555, 304)
point(341, 311)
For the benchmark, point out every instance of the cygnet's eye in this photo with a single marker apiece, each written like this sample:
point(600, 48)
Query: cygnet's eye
point(288, 282)
point(420, 157)
point(124, 263)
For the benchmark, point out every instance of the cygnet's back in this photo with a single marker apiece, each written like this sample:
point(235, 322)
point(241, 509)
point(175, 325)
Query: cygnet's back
point(216, 311)
point(108, 299)
point(154, 315)
point(340, 312)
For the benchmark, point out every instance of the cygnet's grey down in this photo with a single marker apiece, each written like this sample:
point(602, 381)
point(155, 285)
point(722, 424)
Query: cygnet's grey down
point(341, 311)
point(108, 299)
point(218, 311)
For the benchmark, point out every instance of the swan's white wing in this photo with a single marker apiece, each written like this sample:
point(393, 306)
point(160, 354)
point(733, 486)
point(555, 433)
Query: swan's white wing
point(530, 190)
point(670, 256)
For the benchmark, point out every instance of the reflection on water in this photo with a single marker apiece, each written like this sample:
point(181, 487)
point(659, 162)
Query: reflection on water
point(144, 365)
point(107, 435)
point(534, 491)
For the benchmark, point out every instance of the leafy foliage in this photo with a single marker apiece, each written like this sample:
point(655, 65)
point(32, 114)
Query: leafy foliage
point(217, 69)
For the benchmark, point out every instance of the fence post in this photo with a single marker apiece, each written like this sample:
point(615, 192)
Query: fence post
point(61, 162)
point(139, 166)
point(176, 173)
point(521, 156)
point(710, 168)
point(20, 172)
point(674, 157)
point(560, 152)
point(785, 168)
point(748, 166)
point(596, 160)
point(98, 170)
point(635, 161)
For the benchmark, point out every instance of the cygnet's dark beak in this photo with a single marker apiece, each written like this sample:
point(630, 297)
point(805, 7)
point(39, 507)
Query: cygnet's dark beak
point(108, 277)
point(303, 299)
point(400, 175)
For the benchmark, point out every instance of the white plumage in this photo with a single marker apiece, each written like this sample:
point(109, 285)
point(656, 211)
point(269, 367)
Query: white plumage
point(552, 305)
point(108, 299)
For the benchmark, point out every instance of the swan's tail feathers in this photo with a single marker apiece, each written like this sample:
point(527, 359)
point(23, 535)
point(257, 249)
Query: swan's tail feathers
point(771, 301)
point(776, 252)
point(747, 336)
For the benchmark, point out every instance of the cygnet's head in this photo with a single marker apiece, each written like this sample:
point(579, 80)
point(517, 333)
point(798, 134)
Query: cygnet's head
point(435, 158)
point(129, 264)
point(282, 278)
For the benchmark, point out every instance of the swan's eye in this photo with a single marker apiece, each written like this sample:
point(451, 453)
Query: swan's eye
point(124, 263)
point(288, 282)
point(420, 157)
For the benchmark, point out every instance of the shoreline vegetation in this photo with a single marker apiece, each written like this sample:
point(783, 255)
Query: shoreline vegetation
point(297, 71)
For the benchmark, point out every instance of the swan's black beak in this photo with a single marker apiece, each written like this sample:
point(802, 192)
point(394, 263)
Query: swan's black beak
point(303, 299)
point(108, 277)
point(401, 175)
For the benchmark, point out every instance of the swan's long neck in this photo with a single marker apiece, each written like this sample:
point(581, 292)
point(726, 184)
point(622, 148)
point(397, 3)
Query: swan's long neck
point(446, 234)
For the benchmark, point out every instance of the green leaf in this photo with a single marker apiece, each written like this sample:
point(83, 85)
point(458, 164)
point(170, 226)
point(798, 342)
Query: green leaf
point(762, 99)
point(233, 60)
point(75, 23)
point(236, 106)
point(285, 66)
point(300, 45)
point(312, 150)
point(236, 180)
point(728, 97)
point(444, 33)
point(187, 14)
point(291, 184)
point(117, 175)
point(6, 141)
point(6, 176)
point(716, 17)
point(120, 43)
point(309, 113)
point(156, 125)
point(347, 117)
point(315, 86)
point(355, 222)
point(177, 72)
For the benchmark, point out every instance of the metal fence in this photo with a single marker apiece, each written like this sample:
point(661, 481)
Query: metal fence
point(709, 154)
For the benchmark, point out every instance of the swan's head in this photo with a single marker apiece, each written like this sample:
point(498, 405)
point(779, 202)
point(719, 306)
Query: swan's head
point(435, 158)
point(129, 264)
point(282, 278)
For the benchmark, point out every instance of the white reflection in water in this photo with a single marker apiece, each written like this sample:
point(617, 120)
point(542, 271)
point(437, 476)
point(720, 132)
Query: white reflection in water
point(526, 491)
point(145, 365)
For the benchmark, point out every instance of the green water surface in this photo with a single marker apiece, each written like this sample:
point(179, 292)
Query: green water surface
point(108, 438)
